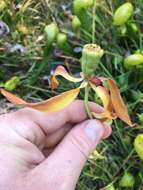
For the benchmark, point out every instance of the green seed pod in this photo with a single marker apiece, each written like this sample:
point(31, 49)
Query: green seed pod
point(76, 24)
point(133, 60)
point(62, 42)
point(12, 83)
point(127, 180)
point(133, 27)
point(80, 10)
point(91, 55)
point(122, 14)
point(138, 145)
point(78, 5)
point(51, 32)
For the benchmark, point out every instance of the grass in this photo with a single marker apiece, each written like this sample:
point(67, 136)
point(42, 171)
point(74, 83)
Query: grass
point(26, 20)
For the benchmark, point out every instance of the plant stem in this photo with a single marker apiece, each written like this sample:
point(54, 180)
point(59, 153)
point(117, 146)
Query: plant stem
point(93, 22)
point(86, 102)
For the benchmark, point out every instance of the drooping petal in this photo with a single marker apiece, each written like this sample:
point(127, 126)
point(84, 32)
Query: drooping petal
point(61, 71)
point(103, 94)
point(12, 98)
point(58, 102)
point(51, 105)
point(118, 103)
point(104, 115)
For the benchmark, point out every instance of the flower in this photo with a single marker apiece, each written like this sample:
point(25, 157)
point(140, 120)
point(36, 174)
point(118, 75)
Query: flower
point(113, 105)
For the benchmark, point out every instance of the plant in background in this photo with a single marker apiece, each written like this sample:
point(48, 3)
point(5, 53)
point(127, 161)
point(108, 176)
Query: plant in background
point(133, 60)
point(62, 43)
point(121, 18)
point(127, 180)
point(76, 24)
point(51, 32)
point(81, 11)
point(138, 145)
point(12, 83)
point(113, 105)
point(123, 14)
point(109, 187)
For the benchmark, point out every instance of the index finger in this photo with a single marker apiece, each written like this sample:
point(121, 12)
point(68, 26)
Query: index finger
point(49, 122)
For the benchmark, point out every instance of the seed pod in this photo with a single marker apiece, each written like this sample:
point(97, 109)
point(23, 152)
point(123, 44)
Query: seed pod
point(80, 10)
point(51, 32)
point(133, 60)
point(76, 24)
point(78, 5)
point(127, 180)
point(63, 43)
point(133, 27)
point(91, 55)
point(138, 145)
point(12, 83)
point(122, 14)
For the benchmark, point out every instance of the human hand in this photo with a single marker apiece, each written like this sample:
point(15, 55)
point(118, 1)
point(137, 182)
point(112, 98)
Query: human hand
point(47, 151)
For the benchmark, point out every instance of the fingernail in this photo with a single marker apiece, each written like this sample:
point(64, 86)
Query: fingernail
point(94, 130)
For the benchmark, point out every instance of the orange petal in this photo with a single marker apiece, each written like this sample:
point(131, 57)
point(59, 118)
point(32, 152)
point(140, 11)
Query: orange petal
point(51, 105)
point(12, 98)
point(104, 115)
point(61, 71)
point(118, 104)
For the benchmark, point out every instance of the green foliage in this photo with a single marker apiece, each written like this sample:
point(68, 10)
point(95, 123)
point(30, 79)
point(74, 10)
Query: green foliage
point(79, 24)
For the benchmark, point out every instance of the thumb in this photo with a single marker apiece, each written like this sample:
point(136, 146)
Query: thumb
point(68, 159)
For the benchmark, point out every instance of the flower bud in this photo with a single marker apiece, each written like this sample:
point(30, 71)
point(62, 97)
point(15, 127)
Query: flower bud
point(127, 180)
point(80, 9)
point(51, 32)
point(133, 27)
point(91, 55)
point(122, 14)
point(78, 5)
point(12, 83)
point(133, 60)
point(62, 42)
point(138, 145)
point(76, 24)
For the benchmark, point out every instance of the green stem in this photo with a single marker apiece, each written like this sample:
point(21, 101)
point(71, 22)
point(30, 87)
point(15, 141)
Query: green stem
point(93, 22)
point(86, 102)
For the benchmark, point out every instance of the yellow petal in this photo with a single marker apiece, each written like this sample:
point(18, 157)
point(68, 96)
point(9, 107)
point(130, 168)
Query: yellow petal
point(118, 103)
point(61, 71)
point(104, 115)
point(103, 94)
point(51, 105)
